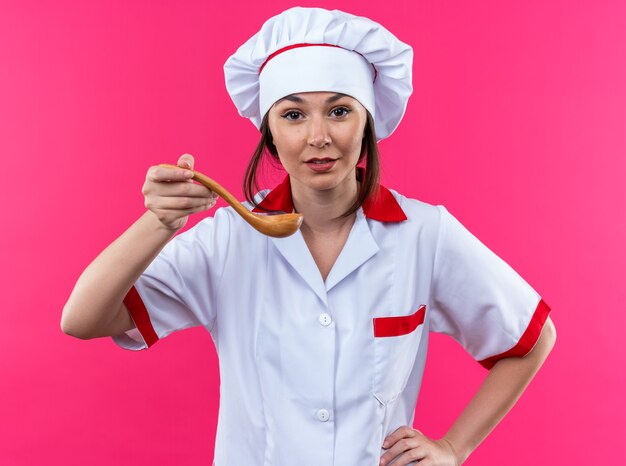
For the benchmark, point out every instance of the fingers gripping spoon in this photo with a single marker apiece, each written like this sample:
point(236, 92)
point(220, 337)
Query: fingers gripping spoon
point(277, 226)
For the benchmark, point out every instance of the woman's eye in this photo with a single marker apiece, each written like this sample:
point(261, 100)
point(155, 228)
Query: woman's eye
point(340, 112)
point(292, 115)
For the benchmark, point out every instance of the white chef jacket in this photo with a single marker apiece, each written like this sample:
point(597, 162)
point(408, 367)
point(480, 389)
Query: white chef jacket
point(319, 372)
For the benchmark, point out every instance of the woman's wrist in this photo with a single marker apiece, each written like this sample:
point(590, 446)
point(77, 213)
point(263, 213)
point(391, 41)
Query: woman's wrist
point(160, 227)
point(459, 460)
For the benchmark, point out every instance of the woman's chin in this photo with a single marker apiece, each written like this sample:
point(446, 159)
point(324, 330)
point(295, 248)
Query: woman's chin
point(328, 182)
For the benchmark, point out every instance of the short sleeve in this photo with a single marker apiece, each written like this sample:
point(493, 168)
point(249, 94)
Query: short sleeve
point(177, 290)
point(479, 300)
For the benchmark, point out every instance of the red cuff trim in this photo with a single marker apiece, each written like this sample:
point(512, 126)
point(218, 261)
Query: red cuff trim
point(528, 339)
point(140, 316)
point(398, 325)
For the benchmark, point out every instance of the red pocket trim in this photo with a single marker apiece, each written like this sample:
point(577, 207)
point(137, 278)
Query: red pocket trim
point(398, 325)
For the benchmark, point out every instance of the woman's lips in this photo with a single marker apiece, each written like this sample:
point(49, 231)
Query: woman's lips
point(321, 165)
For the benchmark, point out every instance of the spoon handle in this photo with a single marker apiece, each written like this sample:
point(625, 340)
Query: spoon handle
point(278, 226)
point(217, 188)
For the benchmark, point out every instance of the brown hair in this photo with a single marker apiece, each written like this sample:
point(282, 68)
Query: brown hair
point(369, 151)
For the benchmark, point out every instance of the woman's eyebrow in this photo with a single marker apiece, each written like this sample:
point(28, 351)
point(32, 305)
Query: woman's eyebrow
point(335, 97)
point(299, 100)
point(292, 98)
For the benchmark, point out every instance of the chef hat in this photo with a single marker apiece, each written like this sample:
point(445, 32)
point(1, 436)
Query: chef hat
point(312, 49)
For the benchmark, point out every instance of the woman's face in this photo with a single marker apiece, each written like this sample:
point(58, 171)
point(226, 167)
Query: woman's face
point(318, 137)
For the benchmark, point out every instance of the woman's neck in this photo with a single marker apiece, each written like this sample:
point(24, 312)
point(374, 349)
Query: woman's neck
point(323, 210)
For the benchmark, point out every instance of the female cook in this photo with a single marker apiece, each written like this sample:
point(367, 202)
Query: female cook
point(322, 335)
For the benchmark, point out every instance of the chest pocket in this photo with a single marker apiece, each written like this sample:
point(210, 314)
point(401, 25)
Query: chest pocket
point(396, 341)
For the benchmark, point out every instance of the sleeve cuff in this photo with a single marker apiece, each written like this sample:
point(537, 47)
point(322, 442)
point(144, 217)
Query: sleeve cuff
point(140, 316)
point(528, 339)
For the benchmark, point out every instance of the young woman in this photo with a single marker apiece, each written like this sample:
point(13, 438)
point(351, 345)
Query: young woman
point(322, 335)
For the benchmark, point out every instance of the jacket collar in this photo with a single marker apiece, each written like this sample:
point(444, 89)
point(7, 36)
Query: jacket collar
point(382, 207)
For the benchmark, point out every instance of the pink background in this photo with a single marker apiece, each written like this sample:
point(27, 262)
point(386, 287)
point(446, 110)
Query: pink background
point(517, 125)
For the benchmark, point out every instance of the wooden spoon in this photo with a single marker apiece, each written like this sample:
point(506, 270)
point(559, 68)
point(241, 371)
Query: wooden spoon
point(277, 226)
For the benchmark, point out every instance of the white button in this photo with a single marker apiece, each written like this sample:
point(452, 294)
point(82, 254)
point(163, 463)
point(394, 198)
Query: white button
point(323, 415)
point(325, 319)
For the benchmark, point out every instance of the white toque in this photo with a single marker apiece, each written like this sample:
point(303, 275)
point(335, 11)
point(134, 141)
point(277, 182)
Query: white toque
point(312, 49)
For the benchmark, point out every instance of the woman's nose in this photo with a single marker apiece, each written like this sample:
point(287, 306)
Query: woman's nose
point(318, 133)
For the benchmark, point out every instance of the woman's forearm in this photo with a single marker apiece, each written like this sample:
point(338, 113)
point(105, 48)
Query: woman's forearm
point(94, 308)
point(100, 290)
point(500, 390)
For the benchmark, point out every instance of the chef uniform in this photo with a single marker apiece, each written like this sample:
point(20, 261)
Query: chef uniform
point(318, 372)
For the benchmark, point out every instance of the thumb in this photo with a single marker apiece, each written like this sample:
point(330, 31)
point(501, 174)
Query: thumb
point(185, 161)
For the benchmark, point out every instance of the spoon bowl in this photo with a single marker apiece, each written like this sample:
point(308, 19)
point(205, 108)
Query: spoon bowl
point(276, 226)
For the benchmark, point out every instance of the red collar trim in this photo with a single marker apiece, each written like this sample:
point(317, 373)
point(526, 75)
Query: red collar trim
point(382, 207)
